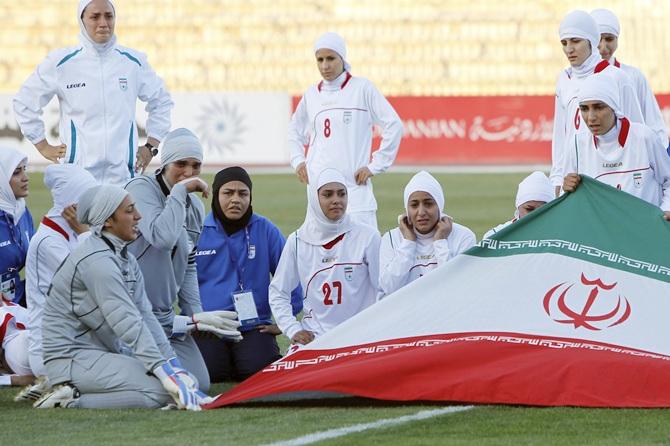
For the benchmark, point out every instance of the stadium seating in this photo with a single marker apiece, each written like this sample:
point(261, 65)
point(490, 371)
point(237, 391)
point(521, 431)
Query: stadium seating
point(428, 47)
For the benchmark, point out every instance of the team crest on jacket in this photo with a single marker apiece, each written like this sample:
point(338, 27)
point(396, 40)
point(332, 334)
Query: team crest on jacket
point(349, 273)
point(637, 179)
point(123, 83)
point(592, 306)
point(347, 116)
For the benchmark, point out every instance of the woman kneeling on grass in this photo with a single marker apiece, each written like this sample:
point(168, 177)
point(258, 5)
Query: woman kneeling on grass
point(334, 259)
point(102, 345)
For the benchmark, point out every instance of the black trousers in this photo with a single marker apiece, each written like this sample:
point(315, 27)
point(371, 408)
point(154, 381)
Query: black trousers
point(237, 361)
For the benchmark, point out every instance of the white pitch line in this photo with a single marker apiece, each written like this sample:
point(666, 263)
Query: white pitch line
point(342, 431)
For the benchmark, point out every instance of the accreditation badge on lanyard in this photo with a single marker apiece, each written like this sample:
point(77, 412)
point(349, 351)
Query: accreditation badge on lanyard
point(8, 285)
point(245, 306)
point(247, 313)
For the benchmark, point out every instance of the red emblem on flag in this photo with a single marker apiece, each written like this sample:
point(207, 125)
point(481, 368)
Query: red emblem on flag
point(586, 317)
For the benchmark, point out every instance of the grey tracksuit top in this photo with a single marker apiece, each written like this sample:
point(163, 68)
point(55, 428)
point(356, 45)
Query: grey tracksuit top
point(95, 303)
point(170, 227)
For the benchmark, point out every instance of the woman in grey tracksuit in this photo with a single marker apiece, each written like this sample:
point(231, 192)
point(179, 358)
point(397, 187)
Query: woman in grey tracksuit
point(100, 337)
point(165, 249)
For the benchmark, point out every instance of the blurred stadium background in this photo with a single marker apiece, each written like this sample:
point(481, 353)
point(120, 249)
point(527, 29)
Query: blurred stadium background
point(473, 80)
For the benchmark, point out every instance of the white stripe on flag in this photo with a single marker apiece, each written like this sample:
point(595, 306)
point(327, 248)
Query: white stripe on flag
point(342, 431)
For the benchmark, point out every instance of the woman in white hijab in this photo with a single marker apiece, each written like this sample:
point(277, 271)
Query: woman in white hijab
point(16, 223)
point(57, 235)
point(623, 154)
point(332, 257)
point(424, 239)
point(579, 36)
point(335, 118)
point(98, 83)
point(534, 191)
point(608, 25)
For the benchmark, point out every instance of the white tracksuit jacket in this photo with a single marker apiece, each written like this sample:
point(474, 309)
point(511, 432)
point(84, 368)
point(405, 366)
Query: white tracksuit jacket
point(568, 120)
point(635, 162)
point(402, 261)
point(648, 103)
point(98, 95)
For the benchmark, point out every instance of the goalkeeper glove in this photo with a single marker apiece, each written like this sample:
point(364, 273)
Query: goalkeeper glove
point(182, 394)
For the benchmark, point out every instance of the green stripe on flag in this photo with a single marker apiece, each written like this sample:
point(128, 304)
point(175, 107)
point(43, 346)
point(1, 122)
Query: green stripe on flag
point(598, 224)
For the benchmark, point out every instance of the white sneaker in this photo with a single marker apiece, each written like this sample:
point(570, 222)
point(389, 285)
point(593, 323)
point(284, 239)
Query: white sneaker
point(62, 396)
point(34, 391)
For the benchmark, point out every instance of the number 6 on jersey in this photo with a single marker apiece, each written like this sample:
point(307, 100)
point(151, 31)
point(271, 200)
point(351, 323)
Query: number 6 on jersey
point(328, 290)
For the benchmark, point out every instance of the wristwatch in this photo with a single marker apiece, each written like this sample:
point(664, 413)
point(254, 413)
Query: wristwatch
point(152, 149)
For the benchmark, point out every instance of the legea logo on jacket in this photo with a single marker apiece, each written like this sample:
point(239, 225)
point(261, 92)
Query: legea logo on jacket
point(205, 252)
point(76, 85)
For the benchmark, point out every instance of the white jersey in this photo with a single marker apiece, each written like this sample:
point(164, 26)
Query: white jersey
point(336, 122)
point(52, 243)
point(402, 261)
point(97, 96)
point(338, 280)
point(13, 320)
point(634, 162)
point(648, 104)
point(13, 338)
point(568, 120)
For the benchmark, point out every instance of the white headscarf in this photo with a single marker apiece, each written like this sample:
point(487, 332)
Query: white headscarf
point(317, 228)
point(67, 183)
point(601, 87)
point(180, 144)
point(607, 21)
point(535, 187)
point(425, 182)
point(83, 34)
point(580, 24)
point(9, 160)
point(97, 204)
point(335, 42)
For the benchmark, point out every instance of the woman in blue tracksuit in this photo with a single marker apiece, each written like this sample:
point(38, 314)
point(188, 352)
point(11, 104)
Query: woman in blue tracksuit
point(16, 223)
point(237, 252)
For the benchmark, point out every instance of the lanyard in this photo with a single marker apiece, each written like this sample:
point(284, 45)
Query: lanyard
point(241, 265)
point(12, 233)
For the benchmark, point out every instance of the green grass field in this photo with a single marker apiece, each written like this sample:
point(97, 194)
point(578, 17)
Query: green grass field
point(478, 201)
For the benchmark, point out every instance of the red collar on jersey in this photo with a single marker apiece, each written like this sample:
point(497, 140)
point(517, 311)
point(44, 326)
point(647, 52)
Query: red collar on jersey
point(616, 63)
point(334, 242)
point(344, 84)
point(601, 66)
point(46, 221)
point(623, 133)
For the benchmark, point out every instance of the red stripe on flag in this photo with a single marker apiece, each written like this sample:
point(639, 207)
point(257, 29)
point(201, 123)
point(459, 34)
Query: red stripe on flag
point(508, 368)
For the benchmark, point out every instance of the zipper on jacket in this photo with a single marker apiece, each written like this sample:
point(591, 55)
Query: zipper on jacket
point(104, 112)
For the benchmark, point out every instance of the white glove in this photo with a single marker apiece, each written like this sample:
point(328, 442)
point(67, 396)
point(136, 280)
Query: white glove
point(183, 395)
point(226, 326)
point(223, 320)
point(223, 324)
point(190, 380)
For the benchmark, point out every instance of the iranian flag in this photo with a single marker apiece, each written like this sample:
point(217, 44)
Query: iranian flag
point(568, 306)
